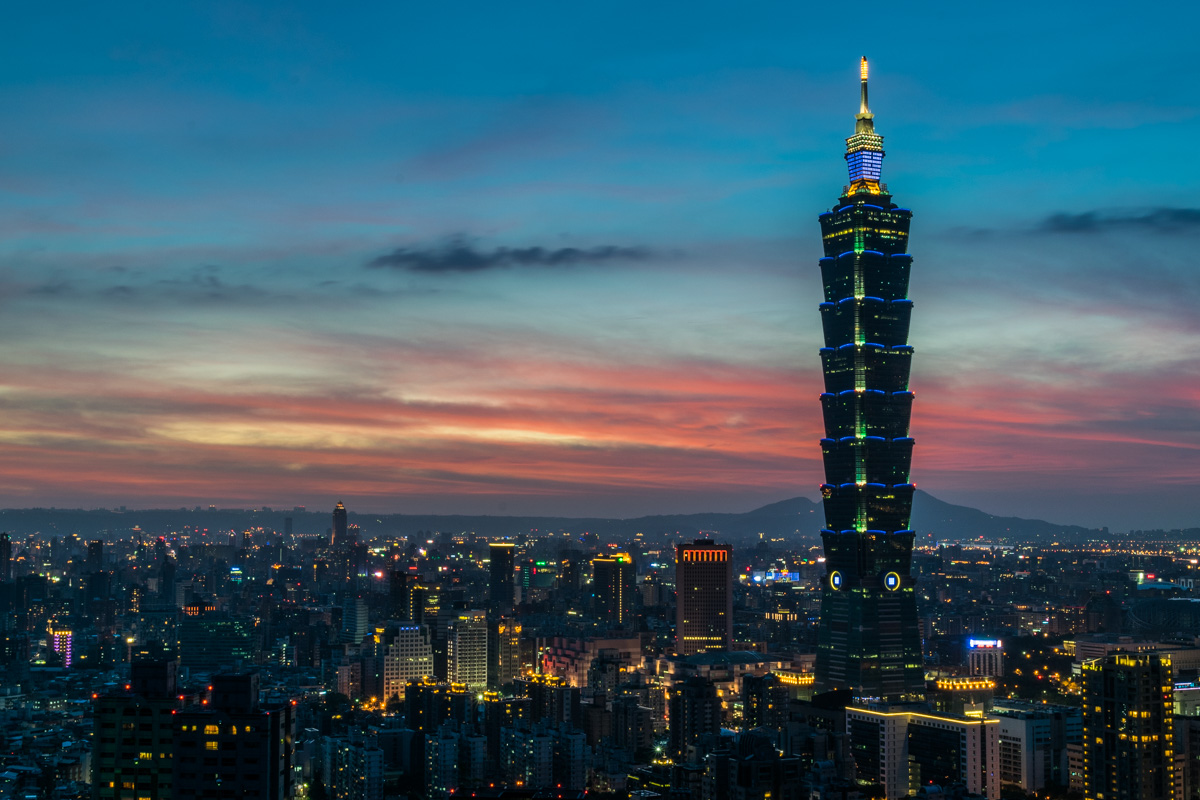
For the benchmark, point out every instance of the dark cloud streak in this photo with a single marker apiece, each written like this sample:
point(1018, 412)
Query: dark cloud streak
point(459, 254)
point(1158, 219)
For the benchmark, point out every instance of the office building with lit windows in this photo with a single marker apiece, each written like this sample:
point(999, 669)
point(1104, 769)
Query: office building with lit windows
point(612, 588)
point(467, 649)
point(869, 642)
point(703, 597)
point(1128, 747)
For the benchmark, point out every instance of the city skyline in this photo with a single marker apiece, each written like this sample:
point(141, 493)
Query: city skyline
point(256, 256)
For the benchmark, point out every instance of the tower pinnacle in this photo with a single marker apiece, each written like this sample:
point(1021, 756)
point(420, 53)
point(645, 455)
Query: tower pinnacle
point(862, 67)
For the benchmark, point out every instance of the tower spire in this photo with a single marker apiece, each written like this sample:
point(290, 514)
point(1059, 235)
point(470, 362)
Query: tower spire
point(864, 150)
point(863, 108)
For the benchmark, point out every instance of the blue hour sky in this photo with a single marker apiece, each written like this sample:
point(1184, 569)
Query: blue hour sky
point(562, 258)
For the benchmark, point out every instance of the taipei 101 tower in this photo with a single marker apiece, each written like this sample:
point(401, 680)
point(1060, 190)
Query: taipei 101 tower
point(868, 641)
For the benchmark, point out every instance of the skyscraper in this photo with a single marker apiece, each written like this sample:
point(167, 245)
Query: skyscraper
point(612, 588)
point(337, 536)
point(233, 746)
point(703, 597)
point(467, 649)
point(133, 749)
point(5, 557)
point(868, 641)
point(502, 557)
point(1128, 749)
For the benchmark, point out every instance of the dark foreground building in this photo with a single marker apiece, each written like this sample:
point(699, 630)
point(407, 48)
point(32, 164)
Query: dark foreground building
point(232, 746)
point(869, 642)
point(1127, 727)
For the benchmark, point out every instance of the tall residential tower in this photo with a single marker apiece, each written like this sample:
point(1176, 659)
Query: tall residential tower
point(869, 642)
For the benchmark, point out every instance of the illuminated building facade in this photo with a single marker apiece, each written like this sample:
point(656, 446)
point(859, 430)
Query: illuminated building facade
point(703, 597)
point(62, 642)
point(869, 641)
point(985, 657)
point(1128, 747)
point(902, 750)
point(612, 588)
point(339, 531)
point(467, 649)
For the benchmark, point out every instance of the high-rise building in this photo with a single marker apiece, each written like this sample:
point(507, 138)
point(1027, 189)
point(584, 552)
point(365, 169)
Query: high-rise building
point(1128, 747)
point(869, 641)
point(1034, 743)
point(612, 588)
point(233, 746)
point(354, 620)
point(703, 597)
point(407, 656)
point(352, 770)
point(694, 712)
point(133, 743)
point(338, 533)
point(467, 649)
point(211, 640)
point(95, 555)
point(903, 748)
point(504, 652)
point(400, 595)
point(5, 558)
point(502, 557)
point(62, 641)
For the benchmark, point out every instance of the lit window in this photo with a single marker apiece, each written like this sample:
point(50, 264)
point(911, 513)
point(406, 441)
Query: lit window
point(211, 746)
point(212, 730)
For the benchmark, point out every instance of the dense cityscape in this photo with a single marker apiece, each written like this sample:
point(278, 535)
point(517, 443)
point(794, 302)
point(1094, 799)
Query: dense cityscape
point(271, 654)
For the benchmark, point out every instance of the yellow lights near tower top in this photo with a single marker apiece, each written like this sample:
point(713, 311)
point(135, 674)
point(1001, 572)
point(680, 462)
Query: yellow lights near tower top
point(863, 67)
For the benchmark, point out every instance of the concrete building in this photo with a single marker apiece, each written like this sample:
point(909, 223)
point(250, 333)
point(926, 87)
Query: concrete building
point(407, 656)
point(467, 649)
point(1034, 743)
point(903, 748)
point(353, 770)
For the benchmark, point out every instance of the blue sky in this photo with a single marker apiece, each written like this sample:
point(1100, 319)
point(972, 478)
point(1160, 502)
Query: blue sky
point(192, 197)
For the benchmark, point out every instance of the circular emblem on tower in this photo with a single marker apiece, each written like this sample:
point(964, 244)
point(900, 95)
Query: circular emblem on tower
point(835, 579)
point(891, 581)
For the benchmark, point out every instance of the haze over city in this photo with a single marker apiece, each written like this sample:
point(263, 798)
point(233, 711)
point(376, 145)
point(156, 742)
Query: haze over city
point(563, 260)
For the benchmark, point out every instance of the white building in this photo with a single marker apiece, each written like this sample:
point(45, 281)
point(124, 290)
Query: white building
point(1034, 742)
point(407, 656)
point(467, 649)
point(903, 750)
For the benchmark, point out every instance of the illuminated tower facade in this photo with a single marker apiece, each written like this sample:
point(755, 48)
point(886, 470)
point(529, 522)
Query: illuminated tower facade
point(703, 597)
point(338, 532)
point(868, 642)
point(612, 588)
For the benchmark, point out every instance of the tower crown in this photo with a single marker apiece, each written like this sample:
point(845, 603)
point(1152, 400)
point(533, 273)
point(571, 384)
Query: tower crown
point(864, 150)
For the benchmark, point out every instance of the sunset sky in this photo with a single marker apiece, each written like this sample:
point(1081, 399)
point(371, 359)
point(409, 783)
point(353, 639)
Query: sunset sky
point(562, 258)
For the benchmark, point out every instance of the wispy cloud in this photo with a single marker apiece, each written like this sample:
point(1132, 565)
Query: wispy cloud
point(460, 254)
point(1170, 220)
